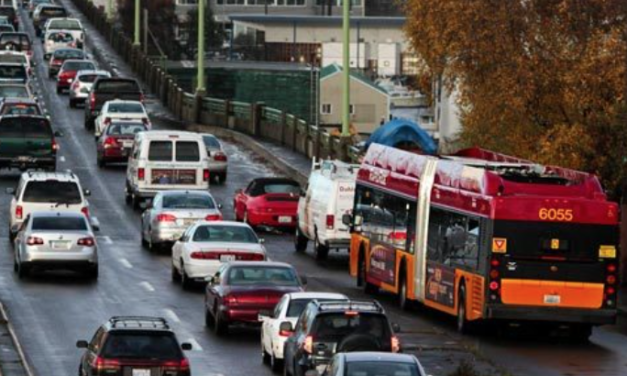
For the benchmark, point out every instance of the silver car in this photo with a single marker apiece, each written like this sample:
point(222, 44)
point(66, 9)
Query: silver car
point(218, 161)
point(80, 88)
point(171, 212)
point(56, 240)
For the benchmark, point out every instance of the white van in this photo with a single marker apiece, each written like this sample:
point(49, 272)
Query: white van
point(165, 160)
point(328, 196)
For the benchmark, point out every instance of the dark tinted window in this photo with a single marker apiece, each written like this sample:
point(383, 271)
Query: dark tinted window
point(125, 129)
point(21, 109)
point(160, 151)
point(228, 234)
point(211, 142)
point(382, 369)
point(5, 28)
point(53, 12)
point(10, 129)
point(13, 72)
point(59, 223)
point(17, 39)
point(141, 345)
point(69, 54)
point(25, 127)
point(7, 11)
point(10, 58)
point(187, 151)
point(118, 86)
point(65, 25)
point(61, 37)
point(188, 201)
point(336, 326)
point(125, 107)
point(88, 77)
point(52, 191)
point(262, 275)
point(78, 65)
point(296, 307)
point(13, 91)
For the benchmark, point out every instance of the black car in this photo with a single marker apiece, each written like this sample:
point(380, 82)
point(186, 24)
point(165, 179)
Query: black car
point(9, 12)
point(131, 345)
point(327, 328)
point(27, 142)
point(372, 363)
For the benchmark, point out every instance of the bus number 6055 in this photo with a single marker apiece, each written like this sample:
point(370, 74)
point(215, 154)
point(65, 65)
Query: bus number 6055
point(560, 215)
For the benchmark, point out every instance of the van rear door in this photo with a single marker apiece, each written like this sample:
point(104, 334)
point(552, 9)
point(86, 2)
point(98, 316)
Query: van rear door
point(344, 203)
point(175, 165)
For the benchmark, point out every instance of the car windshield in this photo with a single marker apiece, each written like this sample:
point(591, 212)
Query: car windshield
point(125, 129)
point(11, 58)
point(126, 108)
point(25, 127)
point(211, 142)
point(78, 65)
point(65, 25)
point(118, 86)
point(188, 201)
point(282, 188)
point(13, 91)
point(21, 109)
point(16, 39)
point(262, 275)
point(52, 191)
point(297, 306)
point(69, 54)
point(15, 72)
point(382, 369)
point(59, 223)
point(141, 345)
point(334, 326)
point(61, 37)
point(49, 12)
point(225, 234)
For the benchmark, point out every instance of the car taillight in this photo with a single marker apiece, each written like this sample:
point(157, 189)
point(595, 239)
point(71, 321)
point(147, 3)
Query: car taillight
point(19, 212)
point(330, 221)
point(33, 240)
point(230, 300)
point(220, 157)
point(74, 85)
point(285, 333)
point(86, 242)
point(111, 142)
point(56, 62)
point(213, 217)
point(102, 364)
point(200, 255)
point(92, 101)
point(182, 365)
point(308, 345)
point(205, 175)
point(142, 97)
point(251, 257)
point(54, 145)
point(165, 217)
point(396, 344)
point(145, 121)
point(141, 174)
point(107, 120)
point(85, 210)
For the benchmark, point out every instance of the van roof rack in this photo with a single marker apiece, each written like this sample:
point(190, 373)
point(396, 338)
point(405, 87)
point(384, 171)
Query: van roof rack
point(146, 322)
point(351, 305)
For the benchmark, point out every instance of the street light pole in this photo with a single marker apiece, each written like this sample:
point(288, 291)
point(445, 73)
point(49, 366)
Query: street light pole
point(137, 21)
point(200, 84)
point(347, 72)
point(109, 9)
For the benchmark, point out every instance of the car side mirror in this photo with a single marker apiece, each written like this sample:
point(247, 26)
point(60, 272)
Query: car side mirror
point(396, 328)
point(303, 279)
point(81, 344)
point(186, 346)
point(95, 224)
point(58, 133)
point(87, 192)
point(10, 191)
point(286, 327)
point(347, 219)
point(220, 206)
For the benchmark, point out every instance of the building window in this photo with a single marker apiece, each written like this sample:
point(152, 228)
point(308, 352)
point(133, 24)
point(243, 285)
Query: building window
point(352, 109)
point(327, 109)
point(281, 3)
point(337, 3)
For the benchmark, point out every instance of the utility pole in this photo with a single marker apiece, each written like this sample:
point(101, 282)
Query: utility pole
point(146, 31)
point(347, 71)
point(109, 9)
point(200, 84)
point(137, 21)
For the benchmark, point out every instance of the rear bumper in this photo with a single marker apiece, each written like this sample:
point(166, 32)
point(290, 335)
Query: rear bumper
point(242, 315)
point(63, 84)
point(566, 315)
point(88, 256)
point(166, 235)
point(271, 219)
point(32, 162)
point(338, 243)
point(199, 270)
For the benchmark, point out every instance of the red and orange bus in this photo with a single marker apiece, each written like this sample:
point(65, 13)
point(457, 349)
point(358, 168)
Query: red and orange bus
point(481, 235)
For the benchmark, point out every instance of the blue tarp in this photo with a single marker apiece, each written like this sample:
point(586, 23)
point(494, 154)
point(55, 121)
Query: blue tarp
point(405, 131)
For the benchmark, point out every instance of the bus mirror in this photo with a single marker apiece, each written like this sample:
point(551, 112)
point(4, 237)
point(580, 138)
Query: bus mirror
point(347, 219)
point(359, 220)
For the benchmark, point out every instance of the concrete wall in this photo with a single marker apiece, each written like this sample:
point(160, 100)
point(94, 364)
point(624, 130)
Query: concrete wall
point(370, 105)
point(309, 9)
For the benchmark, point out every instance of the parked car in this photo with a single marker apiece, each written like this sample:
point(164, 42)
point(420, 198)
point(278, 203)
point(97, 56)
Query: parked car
point(121, 110)
point(269, 202)
point(56, 240)
point(27, 142)
point(116, 143)
point(59, 56)
point(205, 246)
point(9, 12)
point(43, 12)
point(16, 42)
point(163, 161)
point(16, 91)
point(80, 88)
point(329, 195)
point(218, 161)
point(70, 25)
point(134, 346)
point(289, 309)
point(56, 39)
point(67, 72)
point(20, 106)
point(13, 73)
point(327, 328)
point(240, 290)
point(373, 363)
point(108, 89)
point(172, 212)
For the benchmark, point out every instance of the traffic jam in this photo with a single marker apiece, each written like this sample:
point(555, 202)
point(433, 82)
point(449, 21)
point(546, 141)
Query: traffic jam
point(114, 206)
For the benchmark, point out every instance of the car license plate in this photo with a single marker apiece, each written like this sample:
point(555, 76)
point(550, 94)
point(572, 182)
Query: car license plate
point(552, 299)
point(24, 159)
point(60, 244)
point(227, 258)
point(127, 144)
point(285, 219)
point(141, 372)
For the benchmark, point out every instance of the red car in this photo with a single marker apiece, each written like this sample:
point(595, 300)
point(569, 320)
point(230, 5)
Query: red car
point(271, 202)
point(242, 289)
point(68, 70)
point(116, 142)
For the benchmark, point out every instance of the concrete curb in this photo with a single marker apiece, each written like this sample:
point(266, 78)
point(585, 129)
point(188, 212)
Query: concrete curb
point(283, 166)
point(18, 347)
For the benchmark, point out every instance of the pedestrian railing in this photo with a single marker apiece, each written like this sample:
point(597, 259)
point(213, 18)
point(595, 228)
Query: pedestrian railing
point(254, 119)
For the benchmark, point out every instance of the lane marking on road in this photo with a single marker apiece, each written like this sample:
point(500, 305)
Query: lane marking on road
point(62, 158)
point(126, 263)
point(106, 239)
point(195, 345)
point(147, 286)
point(172, 315)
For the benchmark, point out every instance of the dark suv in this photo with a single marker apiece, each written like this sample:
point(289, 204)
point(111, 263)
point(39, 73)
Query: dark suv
point(134, 345)
point(327, 328)
point(27, 142)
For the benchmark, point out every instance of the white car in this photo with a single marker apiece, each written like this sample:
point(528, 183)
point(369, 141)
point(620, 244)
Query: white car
point(70, 25)
point(205, 246)
point(80, 88)
point(121, 110)
point(289, 309)
point(218, 161)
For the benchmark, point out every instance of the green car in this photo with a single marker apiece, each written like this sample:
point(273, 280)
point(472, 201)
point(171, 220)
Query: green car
point(27, 142)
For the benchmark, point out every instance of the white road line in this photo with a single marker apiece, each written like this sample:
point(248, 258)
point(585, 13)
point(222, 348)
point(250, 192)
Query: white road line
point(147, 286)
point(195, 345)
point(106, 239)
point(172, 315)
point(62, 158)
point(126, 263)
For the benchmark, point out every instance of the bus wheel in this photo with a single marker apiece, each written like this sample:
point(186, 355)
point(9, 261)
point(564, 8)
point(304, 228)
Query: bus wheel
point(322, 251)
point(462, 323)
point(369, 288)
point(403, 303)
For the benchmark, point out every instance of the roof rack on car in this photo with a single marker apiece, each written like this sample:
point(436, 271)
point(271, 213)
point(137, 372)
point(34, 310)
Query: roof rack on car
point(351, 305)
point(139, 322)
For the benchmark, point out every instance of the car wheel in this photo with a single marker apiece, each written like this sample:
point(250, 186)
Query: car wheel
point(15, 265)
point(176, 276)
point(93, 273)
point(462, 322)
point(209, 320)
point(22, 270)
point(72, 103)
point(220, 327)
point(101, 163)
point(322, 251)
point(286, 372)
point(275, 364)
point(185, 281)
point(402, 293)
point(369, 288)
point(11, 235)
point(127, 195)
point(265, 357)
point(300, 241)
point(222, 177)
point(136, 201)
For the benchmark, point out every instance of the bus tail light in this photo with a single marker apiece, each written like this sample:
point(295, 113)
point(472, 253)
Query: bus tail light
point(330, 221)
point(494, 284)
point(610, 281)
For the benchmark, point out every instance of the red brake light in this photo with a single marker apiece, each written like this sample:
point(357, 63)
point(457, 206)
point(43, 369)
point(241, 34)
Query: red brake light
point(141, 173)
point(19, 212)
point(610, 280)
point(611, 268)
point(165, 217)
point(142, 97)
point(494, 285)
point(308, 345)
point(213, 217)
point(33, 240)
point(220, 157)
point(230, 299)
point(330, 221)
point(284, 333)
point(92, 101)
point(145, 121)
point(205, 175)
point(495, 263)
point(200, 255)
point(111, 142)
point(85, 210)
point(494, 274)
point(610, 291)
point(54, 145)
point(86, 242)
point(182, 365)
point(101, 364)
